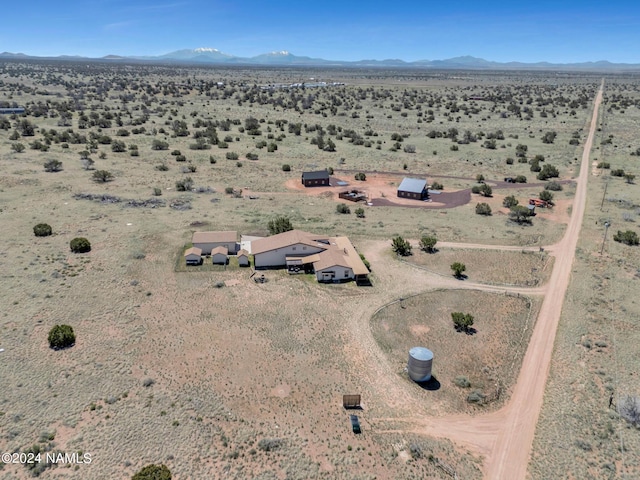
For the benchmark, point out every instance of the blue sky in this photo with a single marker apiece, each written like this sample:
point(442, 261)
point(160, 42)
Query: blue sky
point(555, 31)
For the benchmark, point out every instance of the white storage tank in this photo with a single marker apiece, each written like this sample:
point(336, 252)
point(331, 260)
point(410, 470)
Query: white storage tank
point(420, 363)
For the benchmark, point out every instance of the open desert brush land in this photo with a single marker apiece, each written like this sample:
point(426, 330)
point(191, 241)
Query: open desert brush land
point(219, 376)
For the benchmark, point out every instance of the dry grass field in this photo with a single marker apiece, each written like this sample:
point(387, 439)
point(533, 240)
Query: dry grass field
point(221, 377)
point(480, 363)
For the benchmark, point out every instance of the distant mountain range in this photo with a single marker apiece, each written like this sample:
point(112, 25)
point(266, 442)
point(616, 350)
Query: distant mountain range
point(213, 56)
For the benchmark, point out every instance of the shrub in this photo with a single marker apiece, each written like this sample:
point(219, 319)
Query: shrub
point(159, 145)
point(604, 165)
point(618, 172)
point(279, 225)
point(428, 243)
point(628, 238)
point(102, 176)
point(269, 444)
point(361, 176)
point(548, 171)
point(458, 269)
point(228, 190)
point(157, 191)
point(520, 214)
point(212, 159)
point(480, 178)
point(437, 186)
point(509, 161)
point(343, 208)
point(252, 156)
point(80, 245)
point(163, 167)
point(483, 209)
point(401, 246)
point(510, 201)
point(462, 382)
point(629, 409)
point(553, 186)
point(184, 185)
point(520, 179)
point(232, 156)
point(153, 472)
point(475, 189)
point(462, 321)
point(286, 167)
point(52, 165)
point(42, 230)
point(546, 195)
point(61, 336)
point(359, 212)
point(476, 397)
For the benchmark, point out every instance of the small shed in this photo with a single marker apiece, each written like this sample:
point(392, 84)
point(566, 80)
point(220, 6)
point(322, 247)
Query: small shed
point(414, 188)
point(219, 256)
point(319, 178)
point(193, 256)
point(243, 258)
point(351, 401)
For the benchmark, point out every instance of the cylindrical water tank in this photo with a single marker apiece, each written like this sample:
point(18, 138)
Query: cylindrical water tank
point(420, 362)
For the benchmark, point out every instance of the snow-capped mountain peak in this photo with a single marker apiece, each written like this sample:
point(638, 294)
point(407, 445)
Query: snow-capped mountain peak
point(206, 49)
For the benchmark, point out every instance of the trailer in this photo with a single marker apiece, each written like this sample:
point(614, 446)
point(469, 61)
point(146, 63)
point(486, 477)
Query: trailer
point(353, 196)
point(536, 202)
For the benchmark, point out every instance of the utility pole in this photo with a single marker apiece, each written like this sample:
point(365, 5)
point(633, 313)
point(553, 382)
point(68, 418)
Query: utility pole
point(606, 229)
point(604, 194)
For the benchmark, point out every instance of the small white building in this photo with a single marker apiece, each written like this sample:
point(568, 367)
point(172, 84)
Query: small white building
point(193, 256)
point(219, 256)
point(207, 241)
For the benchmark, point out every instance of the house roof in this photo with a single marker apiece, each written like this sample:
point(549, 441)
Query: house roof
point(317, 175)
point(220, 250)
point(334, 250)
point(242, 253)
point(286, 239)
point(193, 251)
point(331, 258)
point(413, 185)
point(214, 237)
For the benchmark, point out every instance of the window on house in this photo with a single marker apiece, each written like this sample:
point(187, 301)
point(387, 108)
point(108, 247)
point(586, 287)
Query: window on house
point(294, 248)
point(304, 248)
point(346, 273)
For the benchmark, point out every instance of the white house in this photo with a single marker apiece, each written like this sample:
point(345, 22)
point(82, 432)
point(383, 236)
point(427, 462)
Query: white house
point(332, 259)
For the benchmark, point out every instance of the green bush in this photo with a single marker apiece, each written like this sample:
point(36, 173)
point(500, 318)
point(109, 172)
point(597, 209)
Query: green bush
point(343, 208)
point(361, 176)
point(286, 167)
point(61, 336)
point(42, 230)
point(628, 238)
point(483, 209)
point(80, 245)
point(231, 156)
point(153, 472)
point(462, 321)
point(401, 246)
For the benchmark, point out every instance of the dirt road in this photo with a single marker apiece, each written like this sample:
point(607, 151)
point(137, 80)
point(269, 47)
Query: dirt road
point(505, 437)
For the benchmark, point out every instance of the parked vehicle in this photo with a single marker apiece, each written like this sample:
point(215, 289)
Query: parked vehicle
point(355, 424)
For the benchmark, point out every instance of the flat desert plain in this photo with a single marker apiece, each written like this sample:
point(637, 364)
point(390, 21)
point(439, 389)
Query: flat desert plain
point(216, 375)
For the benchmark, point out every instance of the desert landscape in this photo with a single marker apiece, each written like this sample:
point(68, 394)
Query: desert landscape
point(217, 375)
